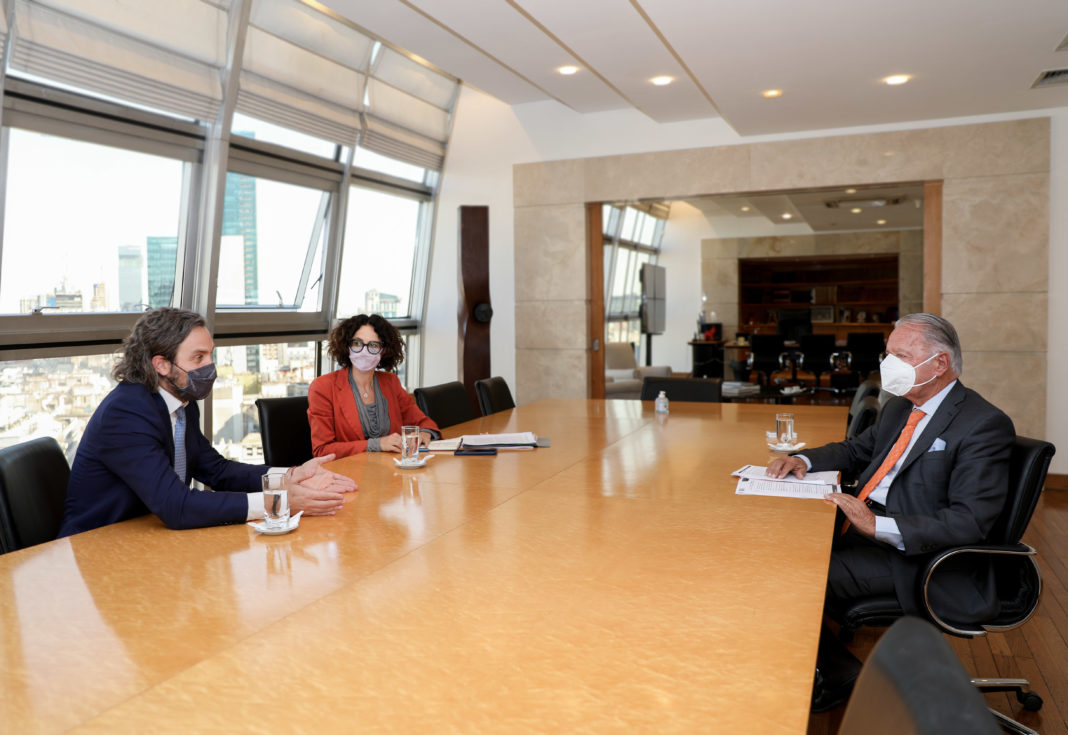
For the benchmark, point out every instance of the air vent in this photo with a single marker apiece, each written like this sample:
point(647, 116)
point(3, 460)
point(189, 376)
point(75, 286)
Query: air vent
point(864, 203)
point(1050, 78)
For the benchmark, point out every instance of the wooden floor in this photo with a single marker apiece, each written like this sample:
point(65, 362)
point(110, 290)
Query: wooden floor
point(1037, 651)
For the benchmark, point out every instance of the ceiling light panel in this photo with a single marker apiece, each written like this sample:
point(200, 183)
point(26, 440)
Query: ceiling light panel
point(736, 48)
point(615, 41)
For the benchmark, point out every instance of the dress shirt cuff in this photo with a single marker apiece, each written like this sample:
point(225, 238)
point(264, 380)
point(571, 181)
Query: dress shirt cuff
point(803, 458)
point(886, 530)
point(255, 507)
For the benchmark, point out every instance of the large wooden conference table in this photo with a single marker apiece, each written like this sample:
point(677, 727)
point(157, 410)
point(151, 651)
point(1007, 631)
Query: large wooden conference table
point(613, 582)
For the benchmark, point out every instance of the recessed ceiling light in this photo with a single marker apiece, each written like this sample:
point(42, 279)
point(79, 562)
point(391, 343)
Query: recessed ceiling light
point(880, 222)
point(772, 93)
point(895, 79)
point(850, 191)
point(567, 70)
point(787, 215)
point(745, 208)
point(855, 210)
point(662, 81)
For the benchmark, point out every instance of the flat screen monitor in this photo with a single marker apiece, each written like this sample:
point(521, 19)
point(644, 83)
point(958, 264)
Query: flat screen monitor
point(653, 311)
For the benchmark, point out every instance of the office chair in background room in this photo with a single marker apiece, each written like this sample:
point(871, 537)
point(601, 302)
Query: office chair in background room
point(493, 395)
point(284, 430)
point(705, 390)
point(447, 404)
point(33, 491)
point(913, 684)
point(793, 324)
point(1017, 577)
point(814, 355)
point(767, 355)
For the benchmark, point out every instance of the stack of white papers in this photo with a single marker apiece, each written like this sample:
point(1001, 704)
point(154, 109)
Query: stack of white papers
point(736, 389)
point(753, 481)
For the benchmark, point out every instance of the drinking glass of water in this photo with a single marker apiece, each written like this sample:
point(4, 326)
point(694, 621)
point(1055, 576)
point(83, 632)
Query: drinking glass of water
point(784, 428)
point(410, 444)
point(275, 502)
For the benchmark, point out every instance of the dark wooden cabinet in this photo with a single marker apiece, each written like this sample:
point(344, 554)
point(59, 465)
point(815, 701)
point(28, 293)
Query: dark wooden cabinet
point(843, 293)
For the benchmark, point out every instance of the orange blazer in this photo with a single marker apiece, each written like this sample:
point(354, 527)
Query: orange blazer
point(335, 422)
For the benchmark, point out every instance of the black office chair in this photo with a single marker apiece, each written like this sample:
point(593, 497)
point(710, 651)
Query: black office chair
point(793, 324)
point(868, 388)
point(865, 415)
point(702, 390)
point(814, 355)
point(33, 491)
point(1017, 577)
point(767, 355)
point(863, 352)
point(447, 404)
point(493, 395)
point(913, 684)
point(284, 430)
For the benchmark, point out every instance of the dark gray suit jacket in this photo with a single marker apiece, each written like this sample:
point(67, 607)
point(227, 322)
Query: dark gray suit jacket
point(949, 491)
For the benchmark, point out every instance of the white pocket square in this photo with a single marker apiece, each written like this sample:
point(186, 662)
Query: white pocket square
point(938, 445)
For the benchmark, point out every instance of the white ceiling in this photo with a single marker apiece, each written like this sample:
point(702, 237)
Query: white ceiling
point(967, 57)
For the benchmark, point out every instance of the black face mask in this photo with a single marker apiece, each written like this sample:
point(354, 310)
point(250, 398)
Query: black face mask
point(198, 383)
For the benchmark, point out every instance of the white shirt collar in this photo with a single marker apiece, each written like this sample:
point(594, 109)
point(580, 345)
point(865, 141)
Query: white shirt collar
point(932, 403)
point(172, 401)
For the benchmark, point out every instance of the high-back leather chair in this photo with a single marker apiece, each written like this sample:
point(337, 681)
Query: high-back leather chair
point(1017, 577)
point(864, 351)
point(706, 390)
point(867, 388)
point(814, 351)
point(284, 430)
point(913, 684)
point(865, 415)
point(33, 491)
point(767, 355)
point(447, 404)
point(493, 395)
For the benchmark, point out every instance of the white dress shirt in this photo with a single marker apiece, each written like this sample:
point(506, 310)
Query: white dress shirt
point(255, 500)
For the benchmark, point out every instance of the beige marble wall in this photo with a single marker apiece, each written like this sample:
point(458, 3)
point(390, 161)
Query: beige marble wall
point(995, 240)
point(719, 263)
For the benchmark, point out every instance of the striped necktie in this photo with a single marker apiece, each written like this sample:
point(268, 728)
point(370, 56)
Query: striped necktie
point(179, 443)
point(891, 459)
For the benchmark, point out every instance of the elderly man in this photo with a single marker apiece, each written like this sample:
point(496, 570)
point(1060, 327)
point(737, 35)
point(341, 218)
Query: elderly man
point(143, 444)
point(933, 473)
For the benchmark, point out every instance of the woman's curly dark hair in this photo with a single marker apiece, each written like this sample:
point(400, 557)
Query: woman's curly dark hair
point(392, 344)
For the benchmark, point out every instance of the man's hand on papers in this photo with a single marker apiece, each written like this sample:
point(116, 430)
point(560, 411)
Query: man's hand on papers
point(780, 467)
point(855, 510)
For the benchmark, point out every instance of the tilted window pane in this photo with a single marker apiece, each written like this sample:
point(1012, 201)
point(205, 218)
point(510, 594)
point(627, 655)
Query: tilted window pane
point(364, 158)
point(52, 397)
point(87, 227)
point(250, 127)
point(271, 250)
point(248, 372)
point(378, 254)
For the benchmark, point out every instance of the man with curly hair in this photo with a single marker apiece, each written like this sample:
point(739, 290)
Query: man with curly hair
point(143, 444)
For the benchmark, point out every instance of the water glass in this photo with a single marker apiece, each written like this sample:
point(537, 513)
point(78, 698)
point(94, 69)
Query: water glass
point(410, 444)
point(784, 428)
point(275, 502)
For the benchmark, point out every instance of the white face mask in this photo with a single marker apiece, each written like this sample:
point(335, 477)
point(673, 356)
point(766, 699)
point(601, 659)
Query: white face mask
point(899, 377)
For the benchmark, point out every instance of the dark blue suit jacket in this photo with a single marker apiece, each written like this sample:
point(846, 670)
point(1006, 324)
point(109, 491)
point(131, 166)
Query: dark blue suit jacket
point(125, 468)
point(949, 491)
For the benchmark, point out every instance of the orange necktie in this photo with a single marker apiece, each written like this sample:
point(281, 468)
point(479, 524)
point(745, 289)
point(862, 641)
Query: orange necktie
point(891, 459)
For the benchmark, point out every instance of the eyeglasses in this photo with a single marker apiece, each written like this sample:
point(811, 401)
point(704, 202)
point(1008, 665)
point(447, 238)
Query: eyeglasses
point(357, 345)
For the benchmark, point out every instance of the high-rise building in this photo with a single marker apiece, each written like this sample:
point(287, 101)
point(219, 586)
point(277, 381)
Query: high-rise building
point(131, 278)
point(239, 218)
point(162, 256)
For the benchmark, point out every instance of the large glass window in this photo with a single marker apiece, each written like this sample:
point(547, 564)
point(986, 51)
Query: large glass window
point(87, 227)
point(631, 238)
point(271, 249)
point(248, 372)
point(52, 397)
point(382, 233)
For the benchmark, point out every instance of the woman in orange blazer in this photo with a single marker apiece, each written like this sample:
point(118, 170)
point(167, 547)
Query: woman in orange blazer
point(362, 406)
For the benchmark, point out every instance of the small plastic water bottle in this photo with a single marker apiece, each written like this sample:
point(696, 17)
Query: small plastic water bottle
point(662, 403)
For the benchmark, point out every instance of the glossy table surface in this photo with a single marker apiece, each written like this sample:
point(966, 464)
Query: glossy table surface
point(613, 582)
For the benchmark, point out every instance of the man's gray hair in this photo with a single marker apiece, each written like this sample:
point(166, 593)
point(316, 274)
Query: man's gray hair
point(940, 334)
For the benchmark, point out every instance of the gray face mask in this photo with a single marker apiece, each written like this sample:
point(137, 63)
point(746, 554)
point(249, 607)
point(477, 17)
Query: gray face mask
point(198, 383)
